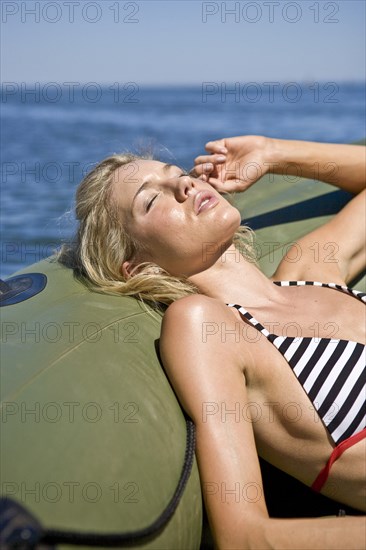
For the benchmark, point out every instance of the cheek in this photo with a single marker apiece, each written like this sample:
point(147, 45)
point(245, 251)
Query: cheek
point(167, 224)
point(162, 235)
point(169, 242)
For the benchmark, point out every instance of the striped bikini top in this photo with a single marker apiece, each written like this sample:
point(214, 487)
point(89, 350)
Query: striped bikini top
point(332, 372)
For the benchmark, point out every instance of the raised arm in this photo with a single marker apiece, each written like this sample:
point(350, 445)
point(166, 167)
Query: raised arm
point(210, 383)
point(233, 164)
point(341, 241)
point(341, 165)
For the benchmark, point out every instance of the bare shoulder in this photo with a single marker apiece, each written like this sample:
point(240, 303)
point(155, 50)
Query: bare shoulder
point(191, 328)
point(194, 362)
point(191, 311)
point(191, 332)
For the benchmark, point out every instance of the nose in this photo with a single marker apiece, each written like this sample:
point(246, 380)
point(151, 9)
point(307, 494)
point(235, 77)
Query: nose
point(184, 188)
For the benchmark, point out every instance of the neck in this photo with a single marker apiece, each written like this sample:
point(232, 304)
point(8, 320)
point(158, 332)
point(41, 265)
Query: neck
point(233, 279)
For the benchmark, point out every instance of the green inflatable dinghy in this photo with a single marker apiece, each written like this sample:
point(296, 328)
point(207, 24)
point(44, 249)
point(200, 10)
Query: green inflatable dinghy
point(95, 445)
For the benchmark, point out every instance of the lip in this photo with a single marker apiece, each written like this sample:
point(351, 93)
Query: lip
point(201, 197)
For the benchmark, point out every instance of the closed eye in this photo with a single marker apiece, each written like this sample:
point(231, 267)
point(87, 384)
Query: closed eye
point(152, 200)
point(150, 203)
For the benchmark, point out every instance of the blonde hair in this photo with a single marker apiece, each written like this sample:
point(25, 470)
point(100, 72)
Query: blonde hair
point(103, 243)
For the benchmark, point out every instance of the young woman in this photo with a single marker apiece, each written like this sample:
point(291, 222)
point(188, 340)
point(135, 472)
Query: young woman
point(250, 383)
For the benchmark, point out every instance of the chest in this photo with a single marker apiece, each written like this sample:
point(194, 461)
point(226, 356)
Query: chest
point(313, 312)
point(311, 364)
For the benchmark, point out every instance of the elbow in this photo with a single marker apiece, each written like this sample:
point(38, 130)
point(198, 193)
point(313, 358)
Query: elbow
point(245, 536)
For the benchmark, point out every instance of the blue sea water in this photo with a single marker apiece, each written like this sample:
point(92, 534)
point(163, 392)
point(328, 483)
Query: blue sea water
point(51, 135)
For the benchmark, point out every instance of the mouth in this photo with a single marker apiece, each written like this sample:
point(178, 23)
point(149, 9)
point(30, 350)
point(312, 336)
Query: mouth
point(204, 200)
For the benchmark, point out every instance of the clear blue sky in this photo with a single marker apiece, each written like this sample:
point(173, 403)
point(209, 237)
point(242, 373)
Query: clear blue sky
point(182, 42)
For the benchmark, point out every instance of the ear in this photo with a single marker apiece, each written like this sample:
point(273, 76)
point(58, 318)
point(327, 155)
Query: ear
point(127, 268)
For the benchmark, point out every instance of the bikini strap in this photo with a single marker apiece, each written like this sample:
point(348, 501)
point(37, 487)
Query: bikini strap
point(270, 336)
point(253, 321)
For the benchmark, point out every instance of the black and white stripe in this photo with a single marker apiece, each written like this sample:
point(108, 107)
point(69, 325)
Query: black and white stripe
point(331, 372)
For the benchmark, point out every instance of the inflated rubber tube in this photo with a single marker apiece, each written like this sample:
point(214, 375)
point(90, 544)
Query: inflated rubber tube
point(94, 442)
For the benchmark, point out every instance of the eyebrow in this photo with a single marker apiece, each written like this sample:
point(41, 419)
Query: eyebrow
point(147, 182)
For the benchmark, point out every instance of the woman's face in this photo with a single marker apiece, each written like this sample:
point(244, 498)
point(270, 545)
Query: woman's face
point(183, 223)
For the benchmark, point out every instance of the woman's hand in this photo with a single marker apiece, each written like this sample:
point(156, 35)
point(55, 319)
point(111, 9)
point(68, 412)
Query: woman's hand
point(234, 164)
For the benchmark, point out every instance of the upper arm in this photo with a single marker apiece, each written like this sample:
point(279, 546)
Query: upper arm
point(210, 383)
point(334, 251)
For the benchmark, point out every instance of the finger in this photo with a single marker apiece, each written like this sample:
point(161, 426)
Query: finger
point(229, 186)
point(214, 159)
point(216, 184)
point(200, 169)
point(236, 186)
point(217, 146)
point(199, 172)
point(233, 186)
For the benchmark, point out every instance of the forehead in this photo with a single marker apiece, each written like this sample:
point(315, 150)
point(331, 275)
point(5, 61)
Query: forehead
point(136, 171)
